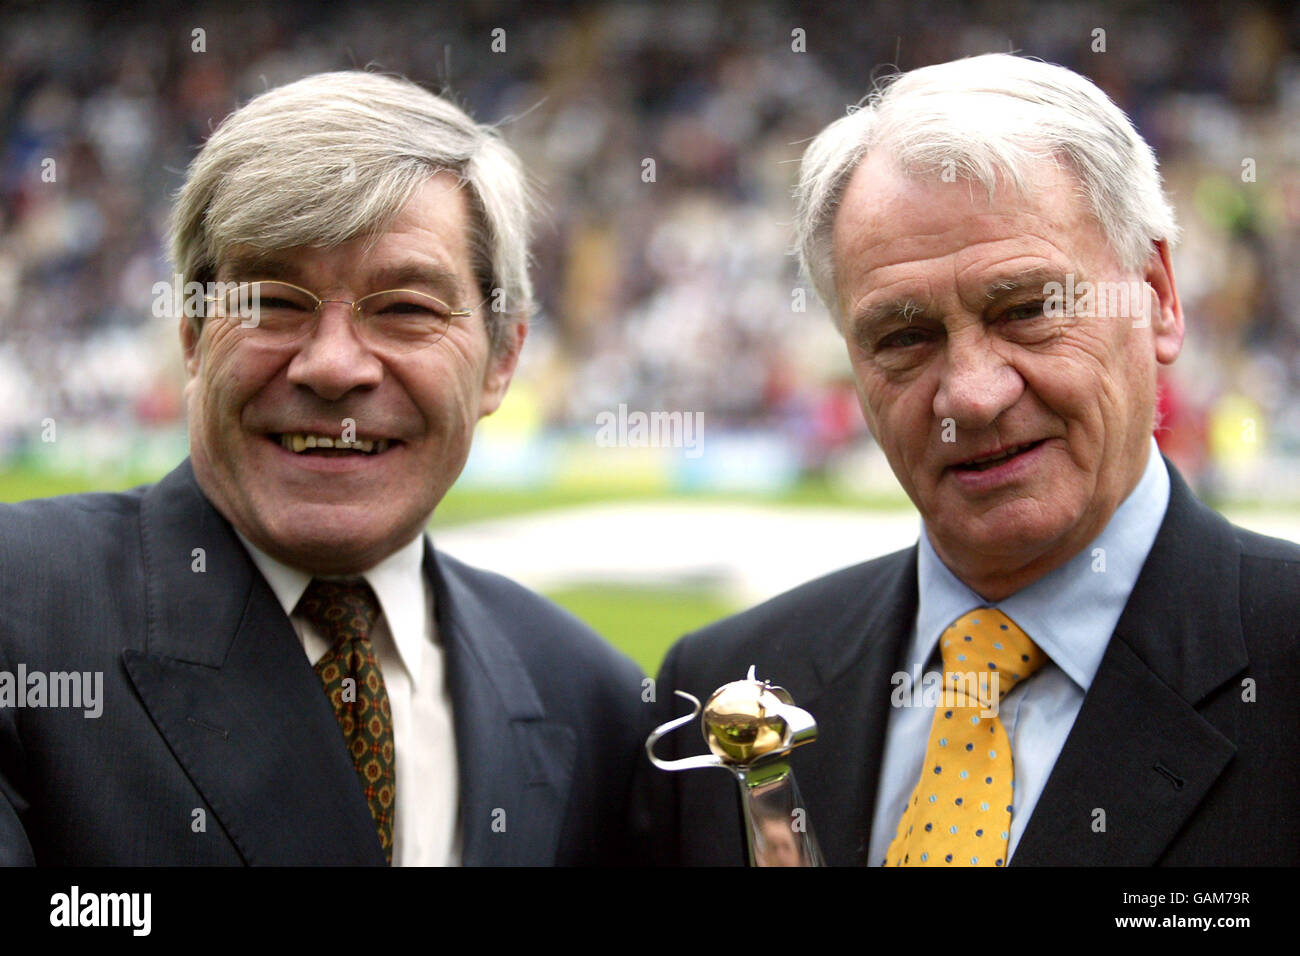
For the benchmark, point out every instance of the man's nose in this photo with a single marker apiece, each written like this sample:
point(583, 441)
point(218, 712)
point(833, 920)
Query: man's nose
point(334, 359)
point(976, 383)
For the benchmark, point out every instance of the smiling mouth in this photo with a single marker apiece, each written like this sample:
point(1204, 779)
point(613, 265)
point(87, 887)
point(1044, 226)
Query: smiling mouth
point(992, 461)
point(304, 443)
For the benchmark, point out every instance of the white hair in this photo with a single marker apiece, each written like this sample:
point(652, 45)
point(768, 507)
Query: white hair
point(988, 119)
point(335, 156)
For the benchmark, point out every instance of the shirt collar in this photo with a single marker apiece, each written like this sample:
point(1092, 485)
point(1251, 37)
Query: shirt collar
point(1070, 612)
point(398, 583)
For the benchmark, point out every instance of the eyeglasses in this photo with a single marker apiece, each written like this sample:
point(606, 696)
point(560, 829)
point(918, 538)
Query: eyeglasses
point(279, 313)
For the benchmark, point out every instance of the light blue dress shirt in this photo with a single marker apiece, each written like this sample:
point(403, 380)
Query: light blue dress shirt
point(1070, 613)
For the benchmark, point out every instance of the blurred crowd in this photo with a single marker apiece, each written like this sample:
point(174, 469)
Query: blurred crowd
point(664, 139)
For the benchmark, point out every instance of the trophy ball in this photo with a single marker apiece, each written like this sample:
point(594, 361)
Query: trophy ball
point(741, 721)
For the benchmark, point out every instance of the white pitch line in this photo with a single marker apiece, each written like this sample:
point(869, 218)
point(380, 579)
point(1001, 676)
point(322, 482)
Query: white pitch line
point(751, 552)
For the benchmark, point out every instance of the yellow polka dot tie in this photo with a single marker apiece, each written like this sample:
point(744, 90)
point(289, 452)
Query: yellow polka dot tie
point(960, 812)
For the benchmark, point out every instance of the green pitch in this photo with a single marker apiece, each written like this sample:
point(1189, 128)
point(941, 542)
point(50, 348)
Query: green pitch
point(643, 621)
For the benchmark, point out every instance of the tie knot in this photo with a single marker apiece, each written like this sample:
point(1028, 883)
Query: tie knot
point(986, 641)
point(340, 610)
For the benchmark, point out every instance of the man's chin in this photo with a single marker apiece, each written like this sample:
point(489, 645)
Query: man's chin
point(331, 556)
point(331, 539)
point(1003, 536)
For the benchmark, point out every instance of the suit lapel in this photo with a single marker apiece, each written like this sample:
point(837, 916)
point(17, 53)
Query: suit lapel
point(1139, 752)
point(225, 680)
point(515, 765)
point(856, 656)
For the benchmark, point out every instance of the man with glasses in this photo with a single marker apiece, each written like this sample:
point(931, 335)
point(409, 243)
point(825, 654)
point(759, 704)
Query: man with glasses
point(291, 674)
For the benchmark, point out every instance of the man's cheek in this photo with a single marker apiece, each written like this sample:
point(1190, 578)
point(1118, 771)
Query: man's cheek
point(1094, 346)
point(870, 398)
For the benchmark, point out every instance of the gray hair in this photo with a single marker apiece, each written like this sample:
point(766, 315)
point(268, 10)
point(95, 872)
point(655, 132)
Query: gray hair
point(336, 156)
point(987, 119)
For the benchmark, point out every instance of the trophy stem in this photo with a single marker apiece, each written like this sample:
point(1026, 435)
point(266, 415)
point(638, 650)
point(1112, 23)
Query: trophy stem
point(777, 831)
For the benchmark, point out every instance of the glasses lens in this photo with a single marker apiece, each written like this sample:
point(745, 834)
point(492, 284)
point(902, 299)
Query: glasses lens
point(276, 311)
point(403, 320)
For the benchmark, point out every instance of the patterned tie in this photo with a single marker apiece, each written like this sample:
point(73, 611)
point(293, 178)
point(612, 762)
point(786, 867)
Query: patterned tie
point(344, 612)
point(960, 812)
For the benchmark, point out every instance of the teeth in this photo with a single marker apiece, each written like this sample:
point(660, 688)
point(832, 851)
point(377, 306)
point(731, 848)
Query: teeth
point(1006, 454)
point(298, 442)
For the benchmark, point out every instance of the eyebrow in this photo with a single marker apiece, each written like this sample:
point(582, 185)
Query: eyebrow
point(402, 276)
point(271, 265)
point(266, 265)
point(1034, 280)
point(908, 309)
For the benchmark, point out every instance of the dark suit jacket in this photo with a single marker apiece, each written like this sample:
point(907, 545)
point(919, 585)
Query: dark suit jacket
point(1188, 765)
point(210, 704)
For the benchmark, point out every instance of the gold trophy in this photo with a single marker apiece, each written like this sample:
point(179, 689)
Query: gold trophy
point(751, 726)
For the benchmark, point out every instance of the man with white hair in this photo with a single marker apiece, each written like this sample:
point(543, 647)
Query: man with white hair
point(291, 673)
point(1078, 663)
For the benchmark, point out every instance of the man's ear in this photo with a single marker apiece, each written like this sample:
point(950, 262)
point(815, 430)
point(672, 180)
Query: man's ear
point(1167, 320)
point(501, 366)
point(190, 335)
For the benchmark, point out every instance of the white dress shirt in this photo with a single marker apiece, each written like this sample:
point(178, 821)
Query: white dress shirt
point(1069, 613)
point(410, 656)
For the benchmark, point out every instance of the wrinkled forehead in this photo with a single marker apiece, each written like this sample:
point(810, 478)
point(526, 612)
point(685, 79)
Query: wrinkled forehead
point(915, 233)
point(884, 202)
